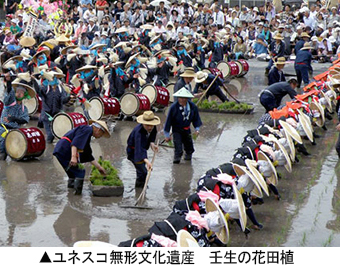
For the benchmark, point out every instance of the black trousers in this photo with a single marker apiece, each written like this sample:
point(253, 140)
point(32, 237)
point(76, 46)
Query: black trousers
point(141, 171)
point(183, 139)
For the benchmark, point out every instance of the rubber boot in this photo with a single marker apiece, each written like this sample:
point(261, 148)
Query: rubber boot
point(70, 183)
point(78, 186)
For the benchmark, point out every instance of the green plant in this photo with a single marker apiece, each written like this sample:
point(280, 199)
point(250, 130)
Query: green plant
point(110, 179)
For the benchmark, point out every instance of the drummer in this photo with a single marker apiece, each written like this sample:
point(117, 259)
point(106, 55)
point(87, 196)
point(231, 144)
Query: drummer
point(74, 148)
point(162, 72)
point(88, 75)
point(15, 113)
point(141, 138)
point(181, 114)
point(117, 79)
point(53, 97)
point(204, 80)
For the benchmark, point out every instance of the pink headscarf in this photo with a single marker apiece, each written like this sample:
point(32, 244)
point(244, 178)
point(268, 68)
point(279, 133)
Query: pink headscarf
point(208, 194)
point(195, 218)
point(164, 241)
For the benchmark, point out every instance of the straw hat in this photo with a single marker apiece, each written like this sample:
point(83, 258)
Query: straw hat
point(103, 126)
point(64, 50)
point(86, 67)
point(242, 170)
point(80, 51)
point(291, 131)
point(9, 64)
point(273, 179)
point(257, 175)
point(304, 35)
point(201, 76)
point(183, 93)
point(131, 59)
point(21, 83)
point(188, 72)
point(148, 118)
point(315, 106)
point(327, 101)
point(223, 234)
point(46, 51)
point(185, 239)
point(305, 125)
point(62, 38)
point(278, 36)
point(306, 46)
point(121, 30)
point(146, 26)
point(241, 207)
point(102, 45)
point(279, 147)
point(154, 39)
point(27, 42)
point(280, 60)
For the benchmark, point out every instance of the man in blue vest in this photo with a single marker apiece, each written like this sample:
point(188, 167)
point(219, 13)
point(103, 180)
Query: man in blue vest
point(303, 64)
point(181, 114)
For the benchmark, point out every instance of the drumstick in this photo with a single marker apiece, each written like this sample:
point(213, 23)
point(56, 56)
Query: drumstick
point(205, 92)
point(142, 195)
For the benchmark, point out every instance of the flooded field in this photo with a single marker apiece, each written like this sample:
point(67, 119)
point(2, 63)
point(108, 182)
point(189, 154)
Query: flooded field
point(37, 209)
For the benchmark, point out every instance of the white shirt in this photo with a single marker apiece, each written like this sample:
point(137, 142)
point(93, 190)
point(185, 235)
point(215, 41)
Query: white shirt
point(310, 21)
point(218, 18)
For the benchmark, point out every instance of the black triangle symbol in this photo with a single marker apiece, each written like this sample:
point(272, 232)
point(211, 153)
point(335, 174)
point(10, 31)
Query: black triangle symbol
point(45, 259)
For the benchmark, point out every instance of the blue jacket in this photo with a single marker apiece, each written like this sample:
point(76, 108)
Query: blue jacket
point(80, 137)
point(214, 87)
point(275, 76)
point(277, 50)
point(179, 120)
point(304, 57)
point(298, 46)
point(139, 142)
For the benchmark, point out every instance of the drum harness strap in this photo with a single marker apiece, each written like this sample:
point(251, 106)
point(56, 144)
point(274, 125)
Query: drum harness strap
point(3, 135)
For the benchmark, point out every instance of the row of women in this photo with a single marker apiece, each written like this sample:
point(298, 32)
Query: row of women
point(225, 195)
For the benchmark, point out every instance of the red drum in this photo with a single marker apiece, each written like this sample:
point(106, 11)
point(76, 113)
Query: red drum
point(64, 122)
point(158, 96)
point(101, 107)
point(24, 143)
point(134, 104)
point(170, 87)
point(234, 69)
point(1, 107)
point(214, 71)
point(34, 105)
point(224, 68)
point(243, 67)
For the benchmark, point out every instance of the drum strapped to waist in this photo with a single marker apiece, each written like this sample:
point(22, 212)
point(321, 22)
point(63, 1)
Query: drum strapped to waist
point(64, 122)
point(214, 71)
point(134, 104)
point(243, 67)
point(33, 105)
point(103, 107)
point(228, 69)
point(157, 95)
point(25, 143)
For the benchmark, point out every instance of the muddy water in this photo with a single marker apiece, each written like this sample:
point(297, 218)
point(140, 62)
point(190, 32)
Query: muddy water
point(37, 209)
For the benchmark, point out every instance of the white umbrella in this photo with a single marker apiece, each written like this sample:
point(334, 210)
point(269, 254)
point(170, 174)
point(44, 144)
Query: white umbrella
point(156, 3)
